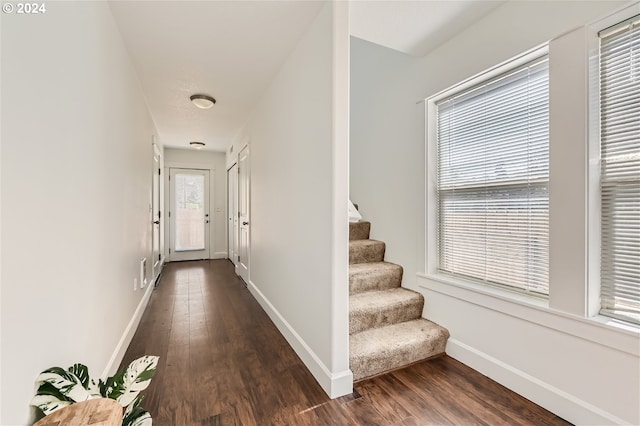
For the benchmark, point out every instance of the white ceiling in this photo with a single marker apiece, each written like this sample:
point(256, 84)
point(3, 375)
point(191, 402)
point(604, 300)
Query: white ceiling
point(415, 27)
point(229, 50)
point(232, 49)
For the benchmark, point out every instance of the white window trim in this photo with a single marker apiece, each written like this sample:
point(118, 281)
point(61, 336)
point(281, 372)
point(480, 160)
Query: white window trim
point(431, 223)
point(594, 196)
point(601, 330)
point(495, 71)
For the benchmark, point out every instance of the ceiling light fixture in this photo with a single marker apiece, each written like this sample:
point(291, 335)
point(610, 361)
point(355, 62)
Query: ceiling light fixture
point(202, 101)
point(197, 145)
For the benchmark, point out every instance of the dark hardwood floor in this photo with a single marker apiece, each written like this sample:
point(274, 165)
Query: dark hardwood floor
point(222, 361)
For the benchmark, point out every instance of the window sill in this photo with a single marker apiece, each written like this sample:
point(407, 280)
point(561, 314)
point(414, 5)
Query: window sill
point(494, 291)
point(599, 329)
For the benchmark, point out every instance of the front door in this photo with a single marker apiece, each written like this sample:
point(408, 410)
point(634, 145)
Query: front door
point(244, 173)
point(232, 213)
point(189, 214)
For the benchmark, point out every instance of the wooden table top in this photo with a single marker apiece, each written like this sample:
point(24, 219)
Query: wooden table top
point(94, 412)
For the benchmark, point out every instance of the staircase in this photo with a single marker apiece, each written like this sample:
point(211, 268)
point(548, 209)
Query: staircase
point(386, 327)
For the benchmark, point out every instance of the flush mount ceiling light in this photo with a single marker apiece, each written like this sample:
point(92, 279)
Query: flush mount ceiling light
point(202, 101)
point(197, 145)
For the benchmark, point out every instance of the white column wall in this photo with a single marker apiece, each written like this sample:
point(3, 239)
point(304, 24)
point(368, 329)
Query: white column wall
point(298, 259)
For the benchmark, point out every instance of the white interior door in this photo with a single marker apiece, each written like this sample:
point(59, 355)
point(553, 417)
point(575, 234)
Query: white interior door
point(244, 187)
point(189, 214)
point(155, 215)
point(232, 213)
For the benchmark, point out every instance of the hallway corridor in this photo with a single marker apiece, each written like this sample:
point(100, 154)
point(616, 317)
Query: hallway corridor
point(222, 361)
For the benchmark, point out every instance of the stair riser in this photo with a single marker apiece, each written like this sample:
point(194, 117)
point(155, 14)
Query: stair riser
point(359, 230)
point(386, 315)
point(399, 357)
point(374, 366)
point(377, 280)
point(369, 253)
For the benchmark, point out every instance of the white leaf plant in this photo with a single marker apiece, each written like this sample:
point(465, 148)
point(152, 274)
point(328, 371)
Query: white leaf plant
point(58, 388)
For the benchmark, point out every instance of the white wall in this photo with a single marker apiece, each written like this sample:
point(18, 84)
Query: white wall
point(215, 163)
point(386, 157)
point(298, 259)
point(585, 370)
point(76, 193)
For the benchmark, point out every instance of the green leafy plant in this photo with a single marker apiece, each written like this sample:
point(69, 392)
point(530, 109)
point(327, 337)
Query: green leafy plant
point(58, 388)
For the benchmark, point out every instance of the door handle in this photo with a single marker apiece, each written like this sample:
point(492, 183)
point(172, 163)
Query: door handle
point(157, 222)
point(245, 223)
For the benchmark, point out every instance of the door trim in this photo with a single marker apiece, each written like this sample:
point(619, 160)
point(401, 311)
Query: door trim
point(167, 201)
point(156, 212)
point(209, 228)
point(243, 266)
point(232, 213)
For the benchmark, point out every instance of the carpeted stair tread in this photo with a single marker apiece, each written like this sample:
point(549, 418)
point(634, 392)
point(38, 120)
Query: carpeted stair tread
point(385, 324)
point(374, 276)
point(361, 251)
point(395, 346)
point(359, 230)
point(384, 307)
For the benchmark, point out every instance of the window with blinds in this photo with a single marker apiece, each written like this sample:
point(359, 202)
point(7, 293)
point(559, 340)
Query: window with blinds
point(492, 180)
point(620, 170)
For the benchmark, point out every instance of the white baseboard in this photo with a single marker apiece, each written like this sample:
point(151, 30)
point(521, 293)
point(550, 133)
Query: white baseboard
point(220, 255)
point(334, 384)
point(559, 402)
point(127, 336)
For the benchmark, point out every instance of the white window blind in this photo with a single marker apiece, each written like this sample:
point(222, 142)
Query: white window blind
point(620, 170)
point(492, 184)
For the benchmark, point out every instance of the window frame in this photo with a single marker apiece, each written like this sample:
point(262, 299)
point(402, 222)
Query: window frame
point(432, 206)
point(594, 242)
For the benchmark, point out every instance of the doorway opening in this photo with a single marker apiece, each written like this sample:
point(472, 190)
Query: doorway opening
point(189, 219)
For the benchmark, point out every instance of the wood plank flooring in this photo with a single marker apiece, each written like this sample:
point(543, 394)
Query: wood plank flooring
point(223, 362)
